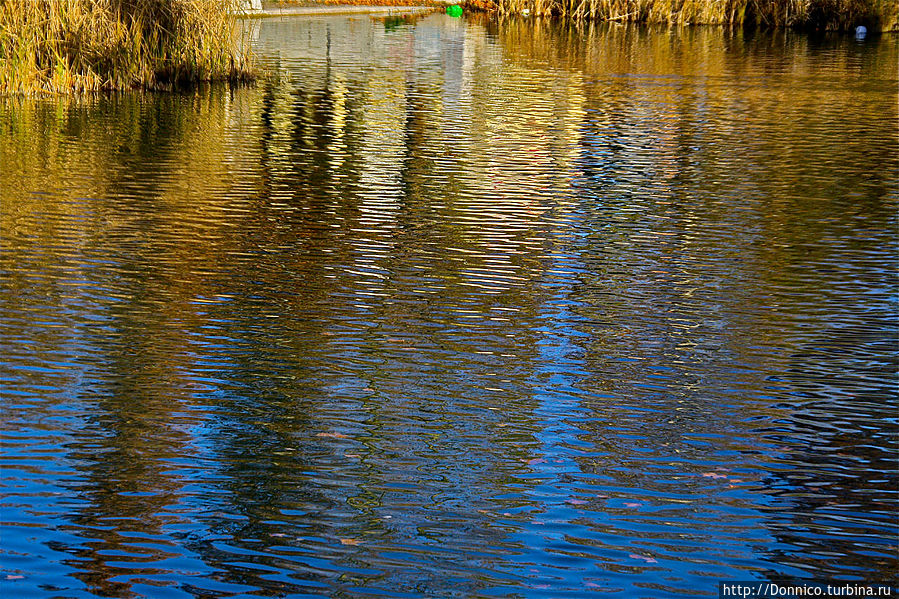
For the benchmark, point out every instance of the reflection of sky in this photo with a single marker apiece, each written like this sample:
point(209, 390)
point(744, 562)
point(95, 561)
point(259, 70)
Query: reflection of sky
point(445, 318)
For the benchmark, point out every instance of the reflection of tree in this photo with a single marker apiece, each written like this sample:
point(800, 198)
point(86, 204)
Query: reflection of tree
point(301, 352)
point(127, 469)
point(676, 214)
point(125, 290)
point(361, 296)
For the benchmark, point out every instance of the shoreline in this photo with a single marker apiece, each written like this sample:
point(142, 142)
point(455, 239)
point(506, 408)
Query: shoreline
point(345, 9)
point(875, 16)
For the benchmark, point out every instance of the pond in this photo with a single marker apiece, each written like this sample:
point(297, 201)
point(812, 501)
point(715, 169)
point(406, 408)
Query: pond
point(456, 308)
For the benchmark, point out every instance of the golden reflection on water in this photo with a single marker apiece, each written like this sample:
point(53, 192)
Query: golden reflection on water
point(433, 288)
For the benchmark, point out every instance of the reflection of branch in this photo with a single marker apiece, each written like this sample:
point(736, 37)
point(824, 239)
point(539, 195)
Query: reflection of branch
point(621, 17)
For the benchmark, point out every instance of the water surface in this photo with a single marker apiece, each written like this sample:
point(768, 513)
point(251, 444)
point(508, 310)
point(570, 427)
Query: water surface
point(450, 308)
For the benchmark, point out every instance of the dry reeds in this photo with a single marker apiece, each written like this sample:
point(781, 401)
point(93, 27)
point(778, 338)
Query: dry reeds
point(876, 15)
point(63, 46)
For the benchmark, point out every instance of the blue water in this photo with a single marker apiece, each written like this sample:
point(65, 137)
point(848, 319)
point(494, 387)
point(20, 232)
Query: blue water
point(457, 308)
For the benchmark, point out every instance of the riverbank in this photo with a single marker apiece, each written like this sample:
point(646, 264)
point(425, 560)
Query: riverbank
point(74, 46)
point(828, 15)
point(822, 15)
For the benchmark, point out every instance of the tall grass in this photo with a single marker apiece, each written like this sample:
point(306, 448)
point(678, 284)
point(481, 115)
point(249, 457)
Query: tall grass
point(817, 14)
point(61, 46)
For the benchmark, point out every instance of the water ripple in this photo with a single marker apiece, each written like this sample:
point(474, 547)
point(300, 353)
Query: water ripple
point(456, 308)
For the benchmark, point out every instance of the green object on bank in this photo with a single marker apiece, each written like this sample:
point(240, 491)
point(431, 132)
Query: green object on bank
point(454, 10)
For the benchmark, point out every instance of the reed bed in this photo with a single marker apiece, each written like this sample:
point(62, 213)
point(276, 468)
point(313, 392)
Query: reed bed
point(65, 46)
point(876, 15)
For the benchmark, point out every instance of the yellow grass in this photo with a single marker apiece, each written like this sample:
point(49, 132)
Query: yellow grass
point(814, 14)
point(62, 46)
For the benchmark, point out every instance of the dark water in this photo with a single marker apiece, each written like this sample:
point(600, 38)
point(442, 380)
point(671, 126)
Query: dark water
point(446, 308)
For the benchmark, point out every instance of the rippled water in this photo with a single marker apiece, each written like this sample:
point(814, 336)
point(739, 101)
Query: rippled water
point(452, 308)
